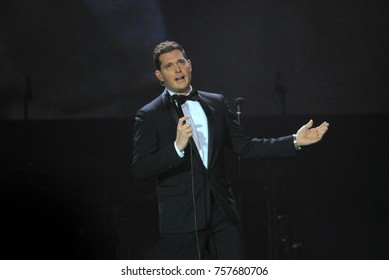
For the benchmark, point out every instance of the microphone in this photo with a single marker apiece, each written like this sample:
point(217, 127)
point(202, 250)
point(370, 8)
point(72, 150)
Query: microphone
point(175, 100)
point(238, 102)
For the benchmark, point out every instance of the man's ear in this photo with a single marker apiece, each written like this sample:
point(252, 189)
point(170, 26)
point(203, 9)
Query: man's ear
point(159, 75)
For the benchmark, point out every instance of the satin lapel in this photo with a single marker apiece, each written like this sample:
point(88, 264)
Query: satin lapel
point(170, 106)
point(210, 113)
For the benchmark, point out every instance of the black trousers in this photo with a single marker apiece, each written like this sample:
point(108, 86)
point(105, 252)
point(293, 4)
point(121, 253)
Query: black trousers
point(219, 240)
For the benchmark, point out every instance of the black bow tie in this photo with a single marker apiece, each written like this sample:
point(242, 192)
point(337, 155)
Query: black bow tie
point(181, 99)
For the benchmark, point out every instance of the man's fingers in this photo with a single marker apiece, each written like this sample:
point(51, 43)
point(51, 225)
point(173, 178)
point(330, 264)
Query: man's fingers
point(322, 128)
point(324, 125)
point(309, 124)
point(186, 128)
point(182, 120)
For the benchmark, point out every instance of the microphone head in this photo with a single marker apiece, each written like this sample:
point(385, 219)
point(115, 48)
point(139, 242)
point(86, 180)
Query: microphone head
point(239, 100)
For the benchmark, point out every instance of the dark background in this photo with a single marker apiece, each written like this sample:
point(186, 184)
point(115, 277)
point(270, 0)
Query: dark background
point(73, 74)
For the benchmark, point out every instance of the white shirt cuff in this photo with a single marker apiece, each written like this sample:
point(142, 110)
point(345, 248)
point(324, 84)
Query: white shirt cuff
point(180, 154)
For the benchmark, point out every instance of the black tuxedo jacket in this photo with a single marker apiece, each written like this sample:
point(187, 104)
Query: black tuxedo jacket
point(154, 155)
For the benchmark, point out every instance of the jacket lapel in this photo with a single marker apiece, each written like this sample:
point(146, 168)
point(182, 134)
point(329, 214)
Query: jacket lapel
point(168, 104)
point(210, 113)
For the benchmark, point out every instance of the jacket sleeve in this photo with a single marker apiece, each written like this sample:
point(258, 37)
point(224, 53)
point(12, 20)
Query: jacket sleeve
point(149, 158)
point(252, 148)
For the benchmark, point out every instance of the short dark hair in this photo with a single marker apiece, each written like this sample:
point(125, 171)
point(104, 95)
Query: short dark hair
point(166, 47)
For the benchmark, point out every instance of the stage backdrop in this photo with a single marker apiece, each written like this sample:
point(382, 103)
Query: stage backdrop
point(93, 59)
point(74, 72)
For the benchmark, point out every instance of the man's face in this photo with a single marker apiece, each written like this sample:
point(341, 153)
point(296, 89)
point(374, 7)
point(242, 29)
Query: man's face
point(175, 71)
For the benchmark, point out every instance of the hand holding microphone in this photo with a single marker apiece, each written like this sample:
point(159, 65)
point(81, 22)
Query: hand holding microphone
point(184, 133)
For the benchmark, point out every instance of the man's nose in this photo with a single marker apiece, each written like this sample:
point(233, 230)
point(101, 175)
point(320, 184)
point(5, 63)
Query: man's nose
point(177, 67)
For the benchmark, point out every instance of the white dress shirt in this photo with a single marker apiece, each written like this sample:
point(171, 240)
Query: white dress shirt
point(198, 121)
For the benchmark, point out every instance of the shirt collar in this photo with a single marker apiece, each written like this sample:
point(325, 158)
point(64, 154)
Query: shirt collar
point(173, 93)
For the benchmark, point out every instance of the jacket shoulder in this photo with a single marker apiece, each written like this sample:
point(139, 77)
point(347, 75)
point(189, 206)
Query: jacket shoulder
point(211, 96)
point(152, 105)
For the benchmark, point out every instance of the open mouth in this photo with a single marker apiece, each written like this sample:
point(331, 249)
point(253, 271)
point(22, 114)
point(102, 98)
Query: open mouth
point(180, 78)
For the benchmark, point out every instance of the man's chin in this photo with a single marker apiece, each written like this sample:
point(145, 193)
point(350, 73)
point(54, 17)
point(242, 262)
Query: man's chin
point(183, 90)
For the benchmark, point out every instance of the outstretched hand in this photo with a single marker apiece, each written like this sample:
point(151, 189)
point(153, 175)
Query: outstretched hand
point(308, 135)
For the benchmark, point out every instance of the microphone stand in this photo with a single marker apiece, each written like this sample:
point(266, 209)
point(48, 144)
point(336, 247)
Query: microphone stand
point(238, 102)
point(191, 144)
